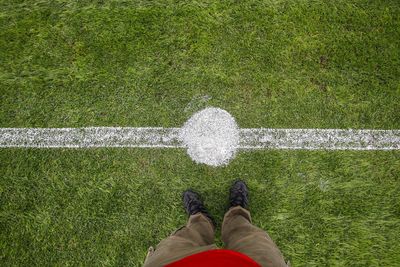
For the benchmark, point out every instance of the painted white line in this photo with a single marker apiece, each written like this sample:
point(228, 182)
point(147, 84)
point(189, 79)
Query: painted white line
point(90, 137)
point(157, 137)
point(211, 136)
point(313, 139)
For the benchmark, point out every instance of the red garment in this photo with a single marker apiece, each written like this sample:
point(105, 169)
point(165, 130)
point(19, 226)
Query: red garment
point(216, 258)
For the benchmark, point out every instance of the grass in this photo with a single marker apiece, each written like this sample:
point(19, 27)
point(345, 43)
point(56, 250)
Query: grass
point(285, 64)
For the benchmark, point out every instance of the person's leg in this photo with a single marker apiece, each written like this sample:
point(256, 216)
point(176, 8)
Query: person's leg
point(239, 234)
point(197, 236)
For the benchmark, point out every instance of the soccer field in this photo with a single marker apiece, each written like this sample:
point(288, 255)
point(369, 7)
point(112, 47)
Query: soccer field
point(274, 64)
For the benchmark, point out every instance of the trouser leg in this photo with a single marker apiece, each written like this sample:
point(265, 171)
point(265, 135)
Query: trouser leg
point(197, 236)
point(239, 234)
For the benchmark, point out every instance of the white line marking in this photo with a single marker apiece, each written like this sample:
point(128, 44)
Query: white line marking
point(90, 137)
point(255, 138)
point(313, 139)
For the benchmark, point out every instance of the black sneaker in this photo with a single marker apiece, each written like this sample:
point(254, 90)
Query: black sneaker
point(239, 195)
point(193, 204)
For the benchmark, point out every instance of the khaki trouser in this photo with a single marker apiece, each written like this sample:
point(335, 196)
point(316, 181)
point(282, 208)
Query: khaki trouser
point(198, 235)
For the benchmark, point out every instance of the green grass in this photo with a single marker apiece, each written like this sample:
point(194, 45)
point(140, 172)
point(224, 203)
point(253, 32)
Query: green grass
point(285, 64)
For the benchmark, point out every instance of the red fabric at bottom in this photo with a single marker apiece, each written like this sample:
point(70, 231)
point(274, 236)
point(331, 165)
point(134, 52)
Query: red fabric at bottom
point(216, 258)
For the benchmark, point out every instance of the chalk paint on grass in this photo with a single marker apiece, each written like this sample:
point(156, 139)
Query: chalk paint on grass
point(313, 139)
point(90, 137)
point(210, 136)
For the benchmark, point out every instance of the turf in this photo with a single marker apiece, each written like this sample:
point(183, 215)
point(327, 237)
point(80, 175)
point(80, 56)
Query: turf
point(285, 64)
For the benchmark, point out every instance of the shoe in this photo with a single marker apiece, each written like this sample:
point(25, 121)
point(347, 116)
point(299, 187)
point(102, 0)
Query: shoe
point(239, 195)
point(193, 204)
